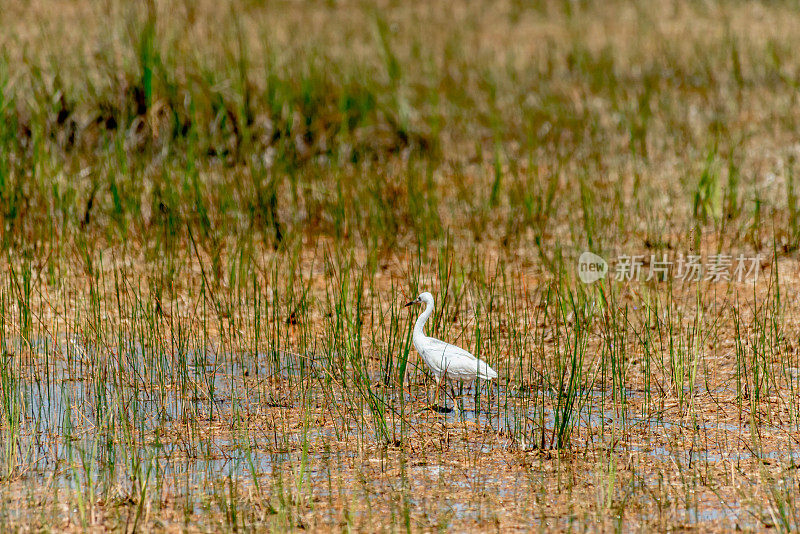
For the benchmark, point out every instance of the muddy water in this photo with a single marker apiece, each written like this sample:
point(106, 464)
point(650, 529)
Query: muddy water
point(257, 417)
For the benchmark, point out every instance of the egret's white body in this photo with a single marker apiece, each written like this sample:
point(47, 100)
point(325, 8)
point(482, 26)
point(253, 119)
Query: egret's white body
point(443, 359)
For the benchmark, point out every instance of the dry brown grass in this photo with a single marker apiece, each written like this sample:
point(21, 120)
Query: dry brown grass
point(213, 211)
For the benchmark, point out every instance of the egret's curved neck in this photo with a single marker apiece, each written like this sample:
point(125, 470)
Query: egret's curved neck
point(422, 319)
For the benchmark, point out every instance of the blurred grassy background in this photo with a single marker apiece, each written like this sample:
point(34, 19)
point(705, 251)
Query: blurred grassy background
point(530, 126)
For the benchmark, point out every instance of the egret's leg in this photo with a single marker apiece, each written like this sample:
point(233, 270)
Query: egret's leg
point(436, 397)
point(455, 402)
point(441, 386)
point(475, 395)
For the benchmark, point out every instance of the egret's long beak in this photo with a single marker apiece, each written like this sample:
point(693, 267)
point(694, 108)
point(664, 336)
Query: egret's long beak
point(409, 303)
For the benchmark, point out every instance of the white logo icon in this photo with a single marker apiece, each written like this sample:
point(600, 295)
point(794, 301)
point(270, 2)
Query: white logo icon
point(591, 268)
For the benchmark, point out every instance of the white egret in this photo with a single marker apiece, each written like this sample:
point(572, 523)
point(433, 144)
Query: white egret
point(443, 359)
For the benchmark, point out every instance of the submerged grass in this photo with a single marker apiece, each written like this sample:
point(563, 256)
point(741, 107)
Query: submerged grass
point(213, 212)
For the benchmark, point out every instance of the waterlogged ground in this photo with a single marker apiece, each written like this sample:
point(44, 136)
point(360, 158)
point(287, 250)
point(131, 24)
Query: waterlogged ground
point(211, 214)
point(144, 435)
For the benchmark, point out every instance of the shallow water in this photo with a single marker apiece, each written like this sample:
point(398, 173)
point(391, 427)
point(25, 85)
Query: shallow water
point(195, 418)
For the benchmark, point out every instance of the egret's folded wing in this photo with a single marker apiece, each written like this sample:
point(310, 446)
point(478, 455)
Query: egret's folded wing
point(440, 350)
point(457, 362)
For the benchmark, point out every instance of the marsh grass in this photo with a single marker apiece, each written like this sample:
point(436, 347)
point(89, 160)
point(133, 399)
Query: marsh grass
point(212, 214)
